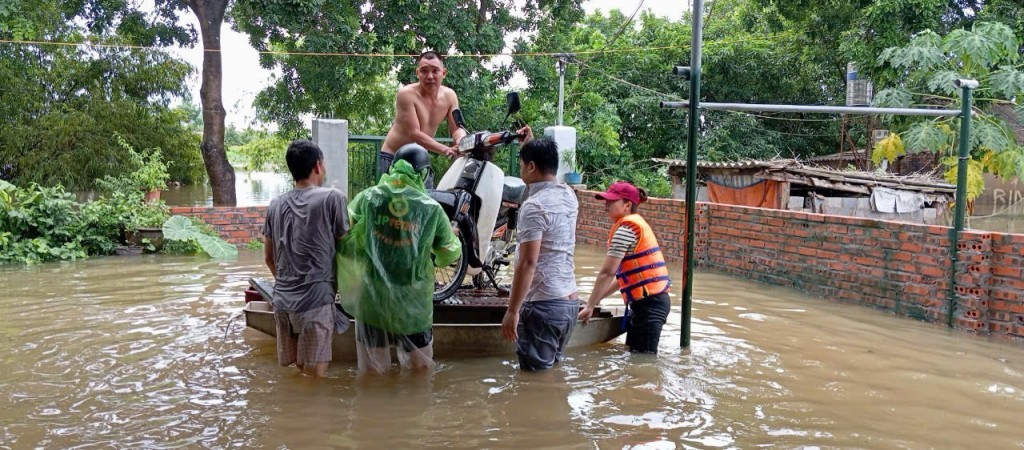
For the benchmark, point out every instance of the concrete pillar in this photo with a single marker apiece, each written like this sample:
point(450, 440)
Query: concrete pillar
point(331, 136)
point(565, 137)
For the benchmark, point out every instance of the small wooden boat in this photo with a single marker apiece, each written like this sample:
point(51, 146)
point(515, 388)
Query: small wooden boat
point(469, 326)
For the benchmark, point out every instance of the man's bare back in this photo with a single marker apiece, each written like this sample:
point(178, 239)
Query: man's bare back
point(419, 111)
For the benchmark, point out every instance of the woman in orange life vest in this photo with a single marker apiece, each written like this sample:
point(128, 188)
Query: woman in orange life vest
point(635, 267)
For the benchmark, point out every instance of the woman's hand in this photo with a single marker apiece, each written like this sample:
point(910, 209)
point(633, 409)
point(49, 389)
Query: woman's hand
point(585, 314)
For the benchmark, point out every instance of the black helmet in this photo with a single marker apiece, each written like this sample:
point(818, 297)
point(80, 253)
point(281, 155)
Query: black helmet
point(415, 155)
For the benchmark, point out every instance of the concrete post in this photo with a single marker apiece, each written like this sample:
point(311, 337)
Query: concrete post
point(565, 137)
point(332, 137)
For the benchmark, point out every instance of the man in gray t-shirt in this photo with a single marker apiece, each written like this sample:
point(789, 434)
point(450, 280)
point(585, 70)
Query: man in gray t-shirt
point(300, 232)
point(543, 305)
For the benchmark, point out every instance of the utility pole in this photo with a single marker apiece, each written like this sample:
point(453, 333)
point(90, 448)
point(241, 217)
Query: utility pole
point(692, 73)
point(563, 58)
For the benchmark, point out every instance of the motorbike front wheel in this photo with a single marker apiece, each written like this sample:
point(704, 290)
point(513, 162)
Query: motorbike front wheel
point(448, 279)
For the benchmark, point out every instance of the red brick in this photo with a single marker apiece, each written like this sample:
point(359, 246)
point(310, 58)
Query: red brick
point(1005, 271)
point(911, 247)
point(917, 289)
point(931, 271)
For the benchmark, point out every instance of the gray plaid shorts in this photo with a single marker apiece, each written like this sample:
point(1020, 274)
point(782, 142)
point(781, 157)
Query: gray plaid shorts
point(305, 338)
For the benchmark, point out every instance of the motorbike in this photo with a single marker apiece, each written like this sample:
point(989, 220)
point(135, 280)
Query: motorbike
point(483, 205)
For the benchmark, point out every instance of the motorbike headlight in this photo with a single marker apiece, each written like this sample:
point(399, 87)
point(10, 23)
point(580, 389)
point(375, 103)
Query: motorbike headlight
point(467, 143)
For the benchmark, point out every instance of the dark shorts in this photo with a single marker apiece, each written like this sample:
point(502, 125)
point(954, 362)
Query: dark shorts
point(375, 337)
point(646, 317)
point(544, 331)
point(384, 161)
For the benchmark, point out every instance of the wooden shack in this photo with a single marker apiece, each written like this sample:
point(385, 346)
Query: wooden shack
point(789, 184)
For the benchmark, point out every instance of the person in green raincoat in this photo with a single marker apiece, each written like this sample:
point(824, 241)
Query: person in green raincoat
point(386, 264)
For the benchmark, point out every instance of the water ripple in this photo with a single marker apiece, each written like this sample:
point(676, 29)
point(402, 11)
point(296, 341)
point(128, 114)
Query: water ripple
point(140, 352)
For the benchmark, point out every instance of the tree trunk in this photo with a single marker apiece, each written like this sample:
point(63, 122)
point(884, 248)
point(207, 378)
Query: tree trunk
point(222, 176)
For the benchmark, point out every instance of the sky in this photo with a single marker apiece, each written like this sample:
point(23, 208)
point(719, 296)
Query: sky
point(244, 78)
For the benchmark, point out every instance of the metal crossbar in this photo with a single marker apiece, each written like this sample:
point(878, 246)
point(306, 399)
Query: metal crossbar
point(850, 110)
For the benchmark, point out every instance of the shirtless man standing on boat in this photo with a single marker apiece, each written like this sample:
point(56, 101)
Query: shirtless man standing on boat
point(419, 109)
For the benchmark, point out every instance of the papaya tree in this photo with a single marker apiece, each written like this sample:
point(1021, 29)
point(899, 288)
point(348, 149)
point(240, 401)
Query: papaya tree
point(988, 52)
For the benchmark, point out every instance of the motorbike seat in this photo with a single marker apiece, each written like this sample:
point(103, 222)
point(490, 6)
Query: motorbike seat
point(514, 190)
point(447, 199)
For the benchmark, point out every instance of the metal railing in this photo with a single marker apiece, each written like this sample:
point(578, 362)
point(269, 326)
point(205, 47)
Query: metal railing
point(364, 151)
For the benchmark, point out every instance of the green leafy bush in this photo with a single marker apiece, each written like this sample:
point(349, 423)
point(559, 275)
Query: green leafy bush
point(143, 171)
point(39, 224)
point(102, 223)
point(152, 215)
point(264, 153)
point(255, 244)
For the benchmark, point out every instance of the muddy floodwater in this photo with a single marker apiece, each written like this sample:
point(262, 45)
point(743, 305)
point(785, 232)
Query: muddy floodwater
point(136, 352)
point(251, 189)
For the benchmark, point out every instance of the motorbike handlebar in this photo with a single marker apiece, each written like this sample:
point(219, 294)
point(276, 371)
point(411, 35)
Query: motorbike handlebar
point(495, 139)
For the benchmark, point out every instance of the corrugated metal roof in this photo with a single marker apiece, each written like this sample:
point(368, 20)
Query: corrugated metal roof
point(807, 175)
point(794, 172)
point(746, 164)
point(844, 156)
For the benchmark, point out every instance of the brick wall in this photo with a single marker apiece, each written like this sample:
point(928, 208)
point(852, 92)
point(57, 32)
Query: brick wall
point(1004, 310)
point(901, 268)
point(898, 267)
point(238, 226)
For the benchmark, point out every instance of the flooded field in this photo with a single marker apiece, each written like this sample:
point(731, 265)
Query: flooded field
point(252, 189)
point(142, 352)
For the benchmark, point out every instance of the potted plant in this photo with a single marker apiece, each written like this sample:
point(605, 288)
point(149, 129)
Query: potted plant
point(144, 226)
point(145, 172)
point(152, 175)
point(573, 176)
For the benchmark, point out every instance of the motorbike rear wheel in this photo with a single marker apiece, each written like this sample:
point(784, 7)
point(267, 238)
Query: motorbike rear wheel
point(448, 279)
point(502, 246)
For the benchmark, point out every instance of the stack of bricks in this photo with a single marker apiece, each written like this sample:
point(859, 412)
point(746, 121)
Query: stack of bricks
point(1006, 285)
point(973, 275)
point(238, 226)
point(902, 268)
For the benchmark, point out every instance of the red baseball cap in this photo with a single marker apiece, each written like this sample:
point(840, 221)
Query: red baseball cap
point(621, 190)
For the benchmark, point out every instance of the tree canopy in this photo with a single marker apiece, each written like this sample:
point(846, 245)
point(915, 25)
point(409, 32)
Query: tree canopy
point(345, 59)
point(362, 89)
point(63, 105)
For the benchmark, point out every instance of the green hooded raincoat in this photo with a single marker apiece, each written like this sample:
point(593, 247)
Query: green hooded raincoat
point(386, 262)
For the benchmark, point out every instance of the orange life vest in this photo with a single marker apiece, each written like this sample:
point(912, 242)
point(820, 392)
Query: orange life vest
point(642, 273)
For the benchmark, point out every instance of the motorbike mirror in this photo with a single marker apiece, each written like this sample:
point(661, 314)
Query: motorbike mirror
point(459, 120)
point(512, 101)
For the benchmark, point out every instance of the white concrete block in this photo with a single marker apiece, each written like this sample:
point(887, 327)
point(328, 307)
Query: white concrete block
point(565, 137)
point(331, 135)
